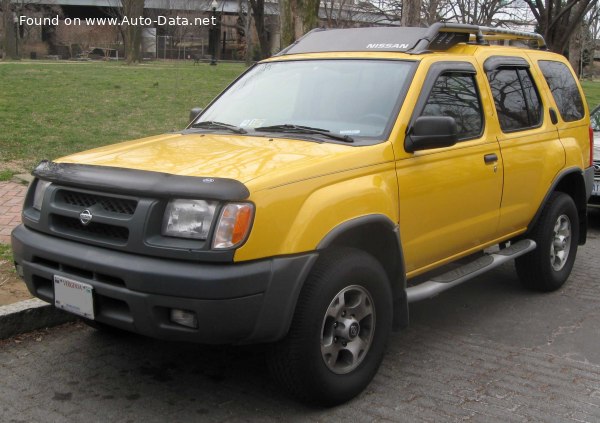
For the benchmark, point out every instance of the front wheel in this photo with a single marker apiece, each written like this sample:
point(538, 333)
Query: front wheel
point(339, 331)
point(557, 235)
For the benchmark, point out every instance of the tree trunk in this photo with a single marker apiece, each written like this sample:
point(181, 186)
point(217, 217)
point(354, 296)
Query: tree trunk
point(247, 29)
point(297, 17)
point(310, 15)
point(575, 50)
point(258, 10)
point(286, 22)
point(557, 20)
point(411, 13)
point(10, 34)
point(133, 33)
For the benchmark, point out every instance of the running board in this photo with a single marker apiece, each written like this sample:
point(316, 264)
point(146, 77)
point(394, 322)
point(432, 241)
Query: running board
point(462, 274)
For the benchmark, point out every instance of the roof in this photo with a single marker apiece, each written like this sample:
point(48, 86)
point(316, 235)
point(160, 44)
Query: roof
point(438, 37)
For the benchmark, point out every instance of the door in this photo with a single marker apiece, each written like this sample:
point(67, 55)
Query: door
point(449, 198)
point(529, 142)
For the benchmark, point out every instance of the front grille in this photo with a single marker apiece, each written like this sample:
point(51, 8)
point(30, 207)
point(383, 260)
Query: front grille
point(94, 230)
point(109, 204)
point(597, 168)
point(119, 221)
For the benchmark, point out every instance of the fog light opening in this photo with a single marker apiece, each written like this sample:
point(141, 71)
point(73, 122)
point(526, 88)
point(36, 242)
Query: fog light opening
point(184, 318)
point(19, 270)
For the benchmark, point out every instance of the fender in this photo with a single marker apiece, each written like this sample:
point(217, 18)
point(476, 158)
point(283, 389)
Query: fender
point(377, 235)
point(570, 181)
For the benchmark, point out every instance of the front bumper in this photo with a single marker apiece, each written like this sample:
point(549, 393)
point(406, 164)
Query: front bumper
point(235, 303)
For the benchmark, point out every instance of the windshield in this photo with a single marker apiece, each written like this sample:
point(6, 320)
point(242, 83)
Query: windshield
point(354, 98)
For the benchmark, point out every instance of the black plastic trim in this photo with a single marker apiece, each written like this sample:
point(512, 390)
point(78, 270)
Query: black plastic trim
point(495, 62)
point(581, 206)
point(246, 302)
point(145, 236)
point(345, 235)
point(140, 182)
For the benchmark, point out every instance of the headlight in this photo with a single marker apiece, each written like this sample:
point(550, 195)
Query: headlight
point(38, 196)
point(188, 218)
point(233, 225)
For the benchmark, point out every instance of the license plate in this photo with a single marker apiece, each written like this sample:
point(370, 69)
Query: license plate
point(74, 296)
point(596, 188)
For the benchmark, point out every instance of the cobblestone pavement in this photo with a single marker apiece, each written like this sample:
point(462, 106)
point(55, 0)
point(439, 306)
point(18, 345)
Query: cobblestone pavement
point(487, 351)
point(11, 202)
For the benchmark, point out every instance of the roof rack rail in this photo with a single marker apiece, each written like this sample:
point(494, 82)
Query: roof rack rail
point(437, 36)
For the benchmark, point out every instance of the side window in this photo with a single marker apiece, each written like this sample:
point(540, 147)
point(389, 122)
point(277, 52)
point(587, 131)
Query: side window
point(516, 98)
point(455, 94)
point(564, 89)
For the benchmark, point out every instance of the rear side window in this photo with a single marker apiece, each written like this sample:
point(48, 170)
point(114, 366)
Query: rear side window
point(516, 98)
point(455, 94)
point(564, 89)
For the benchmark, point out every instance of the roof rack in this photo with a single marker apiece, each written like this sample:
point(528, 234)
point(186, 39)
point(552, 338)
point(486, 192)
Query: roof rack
point(438, 37)
point(438, 32)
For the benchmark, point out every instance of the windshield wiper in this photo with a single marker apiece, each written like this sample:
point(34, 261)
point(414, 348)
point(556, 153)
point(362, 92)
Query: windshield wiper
point(300, 129)
point(211, 124)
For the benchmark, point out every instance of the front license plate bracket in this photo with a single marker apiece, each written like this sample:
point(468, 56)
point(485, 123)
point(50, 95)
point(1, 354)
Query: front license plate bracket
point(74, 296)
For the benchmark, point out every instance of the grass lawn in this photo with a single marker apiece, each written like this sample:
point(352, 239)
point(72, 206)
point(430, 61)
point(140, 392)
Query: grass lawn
point(48, 110)
point(592, 93)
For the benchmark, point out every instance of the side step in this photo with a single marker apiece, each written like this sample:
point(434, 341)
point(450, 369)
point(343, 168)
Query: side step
point(462, 274)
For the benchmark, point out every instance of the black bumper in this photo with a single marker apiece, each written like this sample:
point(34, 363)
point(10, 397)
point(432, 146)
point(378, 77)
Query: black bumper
point(235, 303)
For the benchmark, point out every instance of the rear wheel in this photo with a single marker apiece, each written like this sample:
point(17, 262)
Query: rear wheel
point(339, 331)
point(557, 235)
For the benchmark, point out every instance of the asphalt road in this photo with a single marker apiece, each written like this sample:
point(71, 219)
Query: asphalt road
point(486, 351)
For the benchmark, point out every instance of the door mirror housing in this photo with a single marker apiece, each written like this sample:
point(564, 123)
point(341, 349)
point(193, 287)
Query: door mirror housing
point(195, 112)
point(431, 132)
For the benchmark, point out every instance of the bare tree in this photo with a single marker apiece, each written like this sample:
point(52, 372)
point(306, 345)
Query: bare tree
point(258, 13)
point(558, 19)
point(340, 13)
point(9, 44)
point(593, 23)
point(411, 13)
point(297, 17)
point(133, 33)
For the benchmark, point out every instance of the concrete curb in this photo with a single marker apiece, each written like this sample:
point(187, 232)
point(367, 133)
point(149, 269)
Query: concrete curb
point(29, 315)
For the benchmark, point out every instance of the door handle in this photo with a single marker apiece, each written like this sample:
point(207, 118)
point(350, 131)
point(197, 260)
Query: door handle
point(490, 158)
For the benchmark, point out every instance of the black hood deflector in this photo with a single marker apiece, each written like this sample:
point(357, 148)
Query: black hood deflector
point(141, 182)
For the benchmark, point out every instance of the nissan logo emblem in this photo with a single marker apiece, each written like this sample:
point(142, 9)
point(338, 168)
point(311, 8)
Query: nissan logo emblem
point(85, 217)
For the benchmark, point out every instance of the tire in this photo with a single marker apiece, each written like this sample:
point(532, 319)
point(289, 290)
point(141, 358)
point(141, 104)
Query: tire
point(557, 236)
point(320, 361)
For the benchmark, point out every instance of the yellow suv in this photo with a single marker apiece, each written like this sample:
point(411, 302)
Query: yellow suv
point(300, 206)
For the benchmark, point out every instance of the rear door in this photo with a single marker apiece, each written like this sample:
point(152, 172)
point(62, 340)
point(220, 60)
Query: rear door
point(528, 138)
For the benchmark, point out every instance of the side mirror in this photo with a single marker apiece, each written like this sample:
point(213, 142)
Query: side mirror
point(431, 132)
point(195, 112)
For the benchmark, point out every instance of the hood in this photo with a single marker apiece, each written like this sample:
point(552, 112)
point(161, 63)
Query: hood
point(242, 158)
